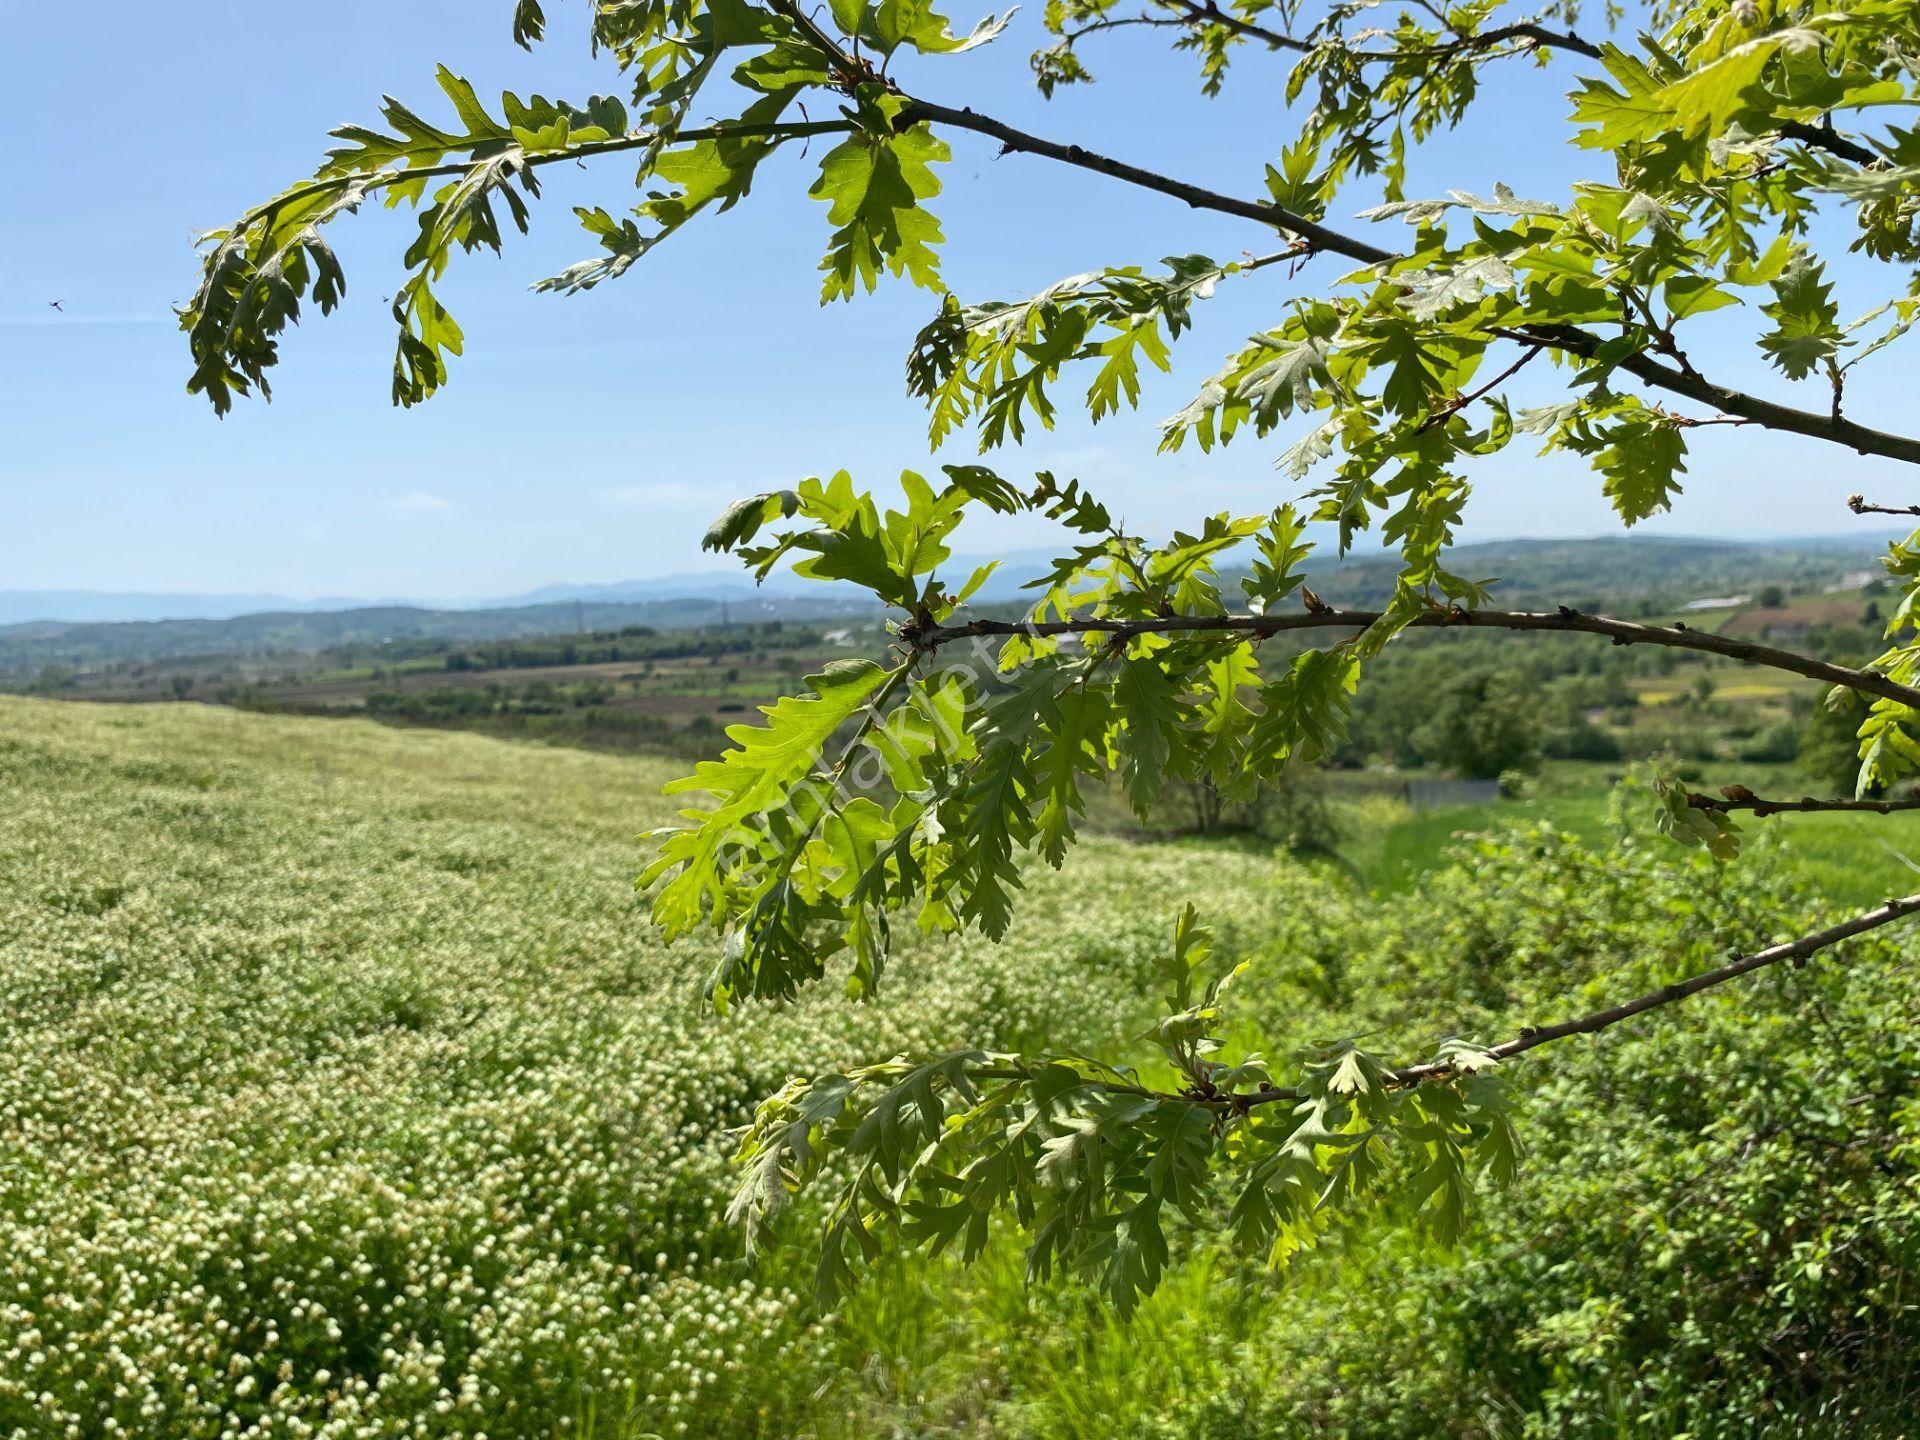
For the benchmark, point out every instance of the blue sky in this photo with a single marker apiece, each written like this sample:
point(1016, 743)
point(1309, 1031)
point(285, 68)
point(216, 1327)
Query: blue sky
point(591, 438)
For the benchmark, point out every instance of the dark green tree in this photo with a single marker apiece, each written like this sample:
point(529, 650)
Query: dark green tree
point(1482, 723)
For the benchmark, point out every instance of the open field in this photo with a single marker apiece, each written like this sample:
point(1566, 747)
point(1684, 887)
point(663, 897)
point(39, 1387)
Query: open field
point(348, 1095)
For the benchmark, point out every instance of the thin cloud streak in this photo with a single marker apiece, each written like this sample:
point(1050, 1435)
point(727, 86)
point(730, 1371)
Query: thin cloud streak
point(665, 495)
point(61, 317)
point(417, 502)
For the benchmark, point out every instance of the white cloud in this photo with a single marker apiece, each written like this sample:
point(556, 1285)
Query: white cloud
point(661, 495)
point(417, 502)
point(1083, 457)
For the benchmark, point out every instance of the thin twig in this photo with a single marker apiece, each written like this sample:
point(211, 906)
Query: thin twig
point(1591, 1024)
point(1822, 136)
point(1461, 402)
point(1858, 504)
point(1121, 22)
point(1689, 422)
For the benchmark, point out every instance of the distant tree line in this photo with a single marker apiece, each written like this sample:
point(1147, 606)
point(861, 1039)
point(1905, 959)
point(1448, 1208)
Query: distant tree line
point(635, 642)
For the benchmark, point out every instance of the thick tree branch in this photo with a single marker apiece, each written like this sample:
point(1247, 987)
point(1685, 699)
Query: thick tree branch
point(1813, 424)
point(1738, 797)
point(1591, 1024)
point(1487, 42)
point(1825, 137)
point(1199, 197)
point(1540, 35)
point(1568, 338)
point(1622, 632)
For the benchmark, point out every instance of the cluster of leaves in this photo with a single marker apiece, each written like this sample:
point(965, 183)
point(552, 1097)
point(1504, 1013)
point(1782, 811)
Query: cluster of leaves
point(1095, 1165)
point(995, 360)
point(257, 272)
point(923, 785)
point(1888, 749)
point(1692, 825)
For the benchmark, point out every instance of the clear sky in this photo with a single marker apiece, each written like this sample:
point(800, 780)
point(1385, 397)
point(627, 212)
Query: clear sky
point(591, 438)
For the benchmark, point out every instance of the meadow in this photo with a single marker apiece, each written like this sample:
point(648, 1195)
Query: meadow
point(347, 1094)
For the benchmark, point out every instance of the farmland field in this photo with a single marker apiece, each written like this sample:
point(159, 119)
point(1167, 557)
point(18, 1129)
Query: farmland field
point(347, 1094)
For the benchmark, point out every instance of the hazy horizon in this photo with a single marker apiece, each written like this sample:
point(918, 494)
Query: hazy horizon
point(704, 583)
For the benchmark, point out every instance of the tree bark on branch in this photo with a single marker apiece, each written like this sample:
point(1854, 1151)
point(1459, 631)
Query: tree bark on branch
point(1742, 799)
point(1622, 632)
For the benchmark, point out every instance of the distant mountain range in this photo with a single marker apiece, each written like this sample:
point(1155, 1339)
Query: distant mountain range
point(19, 607)
point(1633, 574)
point(25, 648)
point(1651, 572)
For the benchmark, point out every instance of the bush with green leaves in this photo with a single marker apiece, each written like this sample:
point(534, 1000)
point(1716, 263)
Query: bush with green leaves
point(1716, 1234)
point(1731, 142)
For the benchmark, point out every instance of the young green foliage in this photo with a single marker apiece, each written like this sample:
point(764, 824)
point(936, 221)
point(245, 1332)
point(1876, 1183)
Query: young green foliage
point(1103, 1169)
point(1728, 144)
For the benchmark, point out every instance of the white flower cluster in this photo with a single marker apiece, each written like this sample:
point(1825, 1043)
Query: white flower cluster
point(346, 1093)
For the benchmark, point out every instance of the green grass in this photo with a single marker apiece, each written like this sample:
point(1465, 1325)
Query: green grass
point(1398, 857)
point(374, 1015)
point(348, 1090)
point(1851, 865)
point(1855, 865)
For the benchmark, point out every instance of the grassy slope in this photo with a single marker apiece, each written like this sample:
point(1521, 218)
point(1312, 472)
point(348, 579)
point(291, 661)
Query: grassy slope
point(1855, 866)
point(356, 1035)
point(346, 1086)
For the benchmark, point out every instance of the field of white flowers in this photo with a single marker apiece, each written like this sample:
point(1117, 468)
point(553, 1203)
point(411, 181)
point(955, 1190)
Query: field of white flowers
point(345, 1092)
